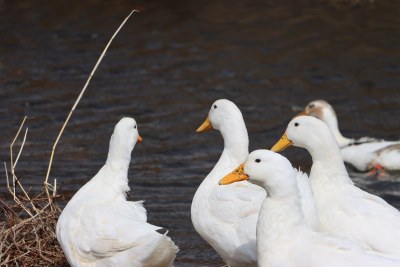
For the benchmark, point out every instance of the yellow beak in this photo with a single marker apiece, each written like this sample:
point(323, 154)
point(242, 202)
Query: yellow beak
point(205, 126)
point(140, 139)
point(235, 176)
point(282, 144)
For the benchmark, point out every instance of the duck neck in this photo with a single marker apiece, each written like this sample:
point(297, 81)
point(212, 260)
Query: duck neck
point(279, 215)
point(285, 204)
point(327, 160)
point(285, 196)
point(119, 158)
point(287, 190)
point(118, 161)
point(236, 149)
point(236, 143)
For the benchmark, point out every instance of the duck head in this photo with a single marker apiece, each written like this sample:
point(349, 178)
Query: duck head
point(226, 117)
point(123, 140)
point(264, 168)
point(223, 115)
point(312, 134)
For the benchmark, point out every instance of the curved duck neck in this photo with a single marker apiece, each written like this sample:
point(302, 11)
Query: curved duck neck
point(119, 158)
point(328, 161)
point(120, 164)
point(236, 144)
point(287, 190)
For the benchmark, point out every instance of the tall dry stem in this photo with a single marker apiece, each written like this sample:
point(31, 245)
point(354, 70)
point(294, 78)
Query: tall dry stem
point(79, 99)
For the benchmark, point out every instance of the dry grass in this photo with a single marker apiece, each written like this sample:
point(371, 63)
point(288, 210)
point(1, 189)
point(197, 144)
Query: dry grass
point(30, 241)
point(28, 224)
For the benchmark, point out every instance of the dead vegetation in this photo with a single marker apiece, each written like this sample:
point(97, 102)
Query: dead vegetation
point(28, 224)
point(30, 241)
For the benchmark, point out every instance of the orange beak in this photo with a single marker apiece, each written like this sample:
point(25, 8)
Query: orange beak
point(282, 144)
point(140, 139)
point(205, 126)
point(236, 176)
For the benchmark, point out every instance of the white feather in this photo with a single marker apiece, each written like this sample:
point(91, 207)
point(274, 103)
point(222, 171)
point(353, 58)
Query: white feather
point(99, 227)
point(344, 210)
point(284, 239)
point(226, 216)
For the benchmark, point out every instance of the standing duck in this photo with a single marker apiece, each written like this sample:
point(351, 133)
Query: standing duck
point(99, 227)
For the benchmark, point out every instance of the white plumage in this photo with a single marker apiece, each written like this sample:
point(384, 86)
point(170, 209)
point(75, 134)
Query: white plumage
point(344, 210)
point(226, 216)
point(364, 153)
point(99, 227)
point(283, 237)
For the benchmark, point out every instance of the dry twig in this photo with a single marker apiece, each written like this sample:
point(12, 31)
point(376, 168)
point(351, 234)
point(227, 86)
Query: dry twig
point(79, 99)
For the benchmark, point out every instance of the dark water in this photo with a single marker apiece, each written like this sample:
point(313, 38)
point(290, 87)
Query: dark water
point(166, 67)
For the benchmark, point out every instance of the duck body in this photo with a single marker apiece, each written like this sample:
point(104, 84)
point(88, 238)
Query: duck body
point(365, 156)
point(349, 212)
point(284, 239)
point(344, 210)
point(226, 217)
point(99, 227)
point(290, 242)
point(390, 156)
point(363, 153)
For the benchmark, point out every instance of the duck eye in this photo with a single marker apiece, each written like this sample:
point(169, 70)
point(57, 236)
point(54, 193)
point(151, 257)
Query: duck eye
point(296, 124)
point(215, 106)
point(134, 127)
point(258, 160)
point(311, 106)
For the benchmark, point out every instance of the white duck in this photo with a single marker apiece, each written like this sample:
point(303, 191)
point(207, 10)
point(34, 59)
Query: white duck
point(365, 153)
point(283, 236)
point(344, 210)
point(99, 227)
point(226, 217)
